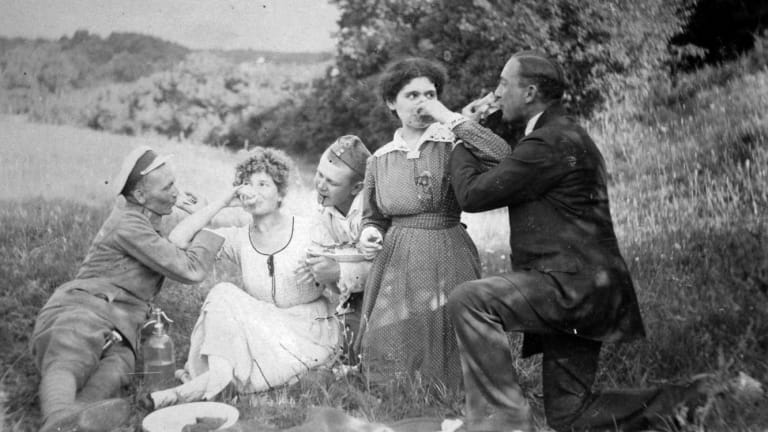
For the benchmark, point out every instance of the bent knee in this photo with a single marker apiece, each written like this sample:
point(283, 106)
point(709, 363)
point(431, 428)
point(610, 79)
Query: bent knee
point(68, 350)
point(481, 294)
point(465, 295)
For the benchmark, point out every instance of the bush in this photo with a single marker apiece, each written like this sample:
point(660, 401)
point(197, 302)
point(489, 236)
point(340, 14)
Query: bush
point(606, 46)
point(203, 99)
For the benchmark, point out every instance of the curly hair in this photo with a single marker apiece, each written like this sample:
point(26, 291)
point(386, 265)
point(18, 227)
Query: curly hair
point(276, 163)
point(400, 72)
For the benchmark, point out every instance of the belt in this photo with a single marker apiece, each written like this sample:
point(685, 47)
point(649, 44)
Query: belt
point(430, 221)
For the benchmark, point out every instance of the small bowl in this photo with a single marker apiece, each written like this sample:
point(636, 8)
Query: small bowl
point(174, 418)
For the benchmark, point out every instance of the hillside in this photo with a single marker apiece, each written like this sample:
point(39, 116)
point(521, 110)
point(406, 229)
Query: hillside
point(689, 191)
point(139, 85)
point(258, 56)
point(87, 60)
point(83, 60)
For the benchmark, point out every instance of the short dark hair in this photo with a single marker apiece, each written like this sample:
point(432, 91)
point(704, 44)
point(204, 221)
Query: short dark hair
point(542, 71)
point(276, 163)
point(400, 72)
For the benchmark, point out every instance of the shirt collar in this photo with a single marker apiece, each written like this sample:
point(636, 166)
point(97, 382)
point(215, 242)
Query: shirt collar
point(154, 219)
point(355, 209)
point(532, 123)
point(436, 132)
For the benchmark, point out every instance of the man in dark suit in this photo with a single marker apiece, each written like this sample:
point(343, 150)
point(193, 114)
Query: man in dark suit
point(569, 289)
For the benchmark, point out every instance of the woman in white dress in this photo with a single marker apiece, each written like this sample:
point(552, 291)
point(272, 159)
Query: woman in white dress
point(278, 325)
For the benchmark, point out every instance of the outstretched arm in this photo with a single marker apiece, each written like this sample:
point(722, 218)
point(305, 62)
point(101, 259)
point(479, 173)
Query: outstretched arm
point(522, 177)
point(182, 234)
point(487, 147)
point(136, 236)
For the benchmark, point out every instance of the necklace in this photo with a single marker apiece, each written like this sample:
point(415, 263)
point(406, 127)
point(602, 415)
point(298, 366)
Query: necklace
point(271, 257)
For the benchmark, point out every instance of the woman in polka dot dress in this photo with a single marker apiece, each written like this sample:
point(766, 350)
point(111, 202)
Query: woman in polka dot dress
point(411, 223)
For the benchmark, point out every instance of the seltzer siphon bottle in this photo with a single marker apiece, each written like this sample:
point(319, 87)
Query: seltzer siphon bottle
point(159, 355)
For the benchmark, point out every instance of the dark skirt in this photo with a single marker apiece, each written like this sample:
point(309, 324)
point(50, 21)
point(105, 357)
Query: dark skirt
point(405, 329)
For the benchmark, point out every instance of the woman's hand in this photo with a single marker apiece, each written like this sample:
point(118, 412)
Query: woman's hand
point(231, 198)
point(235, 194)
point(370, 242)
point(435, 109)
point(303, 273)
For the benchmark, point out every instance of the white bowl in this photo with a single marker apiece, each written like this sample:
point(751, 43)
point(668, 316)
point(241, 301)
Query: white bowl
point(174, 418)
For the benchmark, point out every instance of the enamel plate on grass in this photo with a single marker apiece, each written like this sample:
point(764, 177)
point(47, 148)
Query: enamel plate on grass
point(175, 418)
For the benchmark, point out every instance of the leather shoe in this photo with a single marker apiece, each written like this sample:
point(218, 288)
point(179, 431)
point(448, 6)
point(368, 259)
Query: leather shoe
point(102, 416)
point(696, 395)
point(679, 405)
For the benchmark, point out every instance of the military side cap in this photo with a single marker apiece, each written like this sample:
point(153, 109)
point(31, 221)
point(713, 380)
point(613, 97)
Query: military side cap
point(350, 151)
point(139, 162)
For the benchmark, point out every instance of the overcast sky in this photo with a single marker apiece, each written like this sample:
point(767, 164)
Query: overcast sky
point(281, 25)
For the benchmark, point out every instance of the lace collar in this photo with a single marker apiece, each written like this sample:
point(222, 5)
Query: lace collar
point(436, 132)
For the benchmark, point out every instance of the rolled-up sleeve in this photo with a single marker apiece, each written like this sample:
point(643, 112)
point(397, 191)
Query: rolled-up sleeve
point(190, 265)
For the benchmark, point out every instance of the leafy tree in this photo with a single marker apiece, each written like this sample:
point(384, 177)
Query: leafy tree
point(608, 46)
point(723, 28)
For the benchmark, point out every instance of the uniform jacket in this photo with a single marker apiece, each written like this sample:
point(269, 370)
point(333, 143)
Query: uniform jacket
point(126, 265)
point(554, 184)
point(338, 229)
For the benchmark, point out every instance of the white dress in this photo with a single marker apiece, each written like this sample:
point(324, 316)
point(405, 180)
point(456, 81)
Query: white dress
point(272, 330)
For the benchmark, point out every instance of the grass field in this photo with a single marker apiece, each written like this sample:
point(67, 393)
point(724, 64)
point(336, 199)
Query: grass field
point(54, 194)
point(689, 191)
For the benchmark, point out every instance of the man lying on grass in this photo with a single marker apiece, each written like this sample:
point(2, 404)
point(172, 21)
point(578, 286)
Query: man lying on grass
point(85, 338)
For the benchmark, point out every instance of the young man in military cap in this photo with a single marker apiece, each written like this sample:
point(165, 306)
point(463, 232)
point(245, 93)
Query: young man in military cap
point(86, 336)
point(569, 289)
point(338, 183)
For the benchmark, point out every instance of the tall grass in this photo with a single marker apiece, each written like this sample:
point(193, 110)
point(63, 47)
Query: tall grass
point(689, 195)
point(689, 190)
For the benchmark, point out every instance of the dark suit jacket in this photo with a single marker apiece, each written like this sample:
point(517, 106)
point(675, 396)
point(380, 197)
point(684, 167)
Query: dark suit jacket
point(554, 185)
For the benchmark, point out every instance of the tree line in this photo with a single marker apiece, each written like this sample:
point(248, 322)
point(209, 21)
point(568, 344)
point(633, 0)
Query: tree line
point(134, 84)
point(614, 49)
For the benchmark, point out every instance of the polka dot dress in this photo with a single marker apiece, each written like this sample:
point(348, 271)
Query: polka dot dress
point(426, 254)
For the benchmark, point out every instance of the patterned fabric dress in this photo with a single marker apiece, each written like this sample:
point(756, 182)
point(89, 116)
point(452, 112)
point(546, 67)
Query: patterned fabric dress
point(272, 329)
point(426, 253)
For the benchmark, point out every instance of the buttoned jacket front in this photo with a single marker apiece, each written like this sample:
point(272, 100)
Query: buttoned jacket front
point(554, 185)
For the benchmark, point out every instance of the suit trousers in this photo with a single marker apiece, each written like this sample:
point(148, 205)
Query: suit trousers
point(483, 311)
